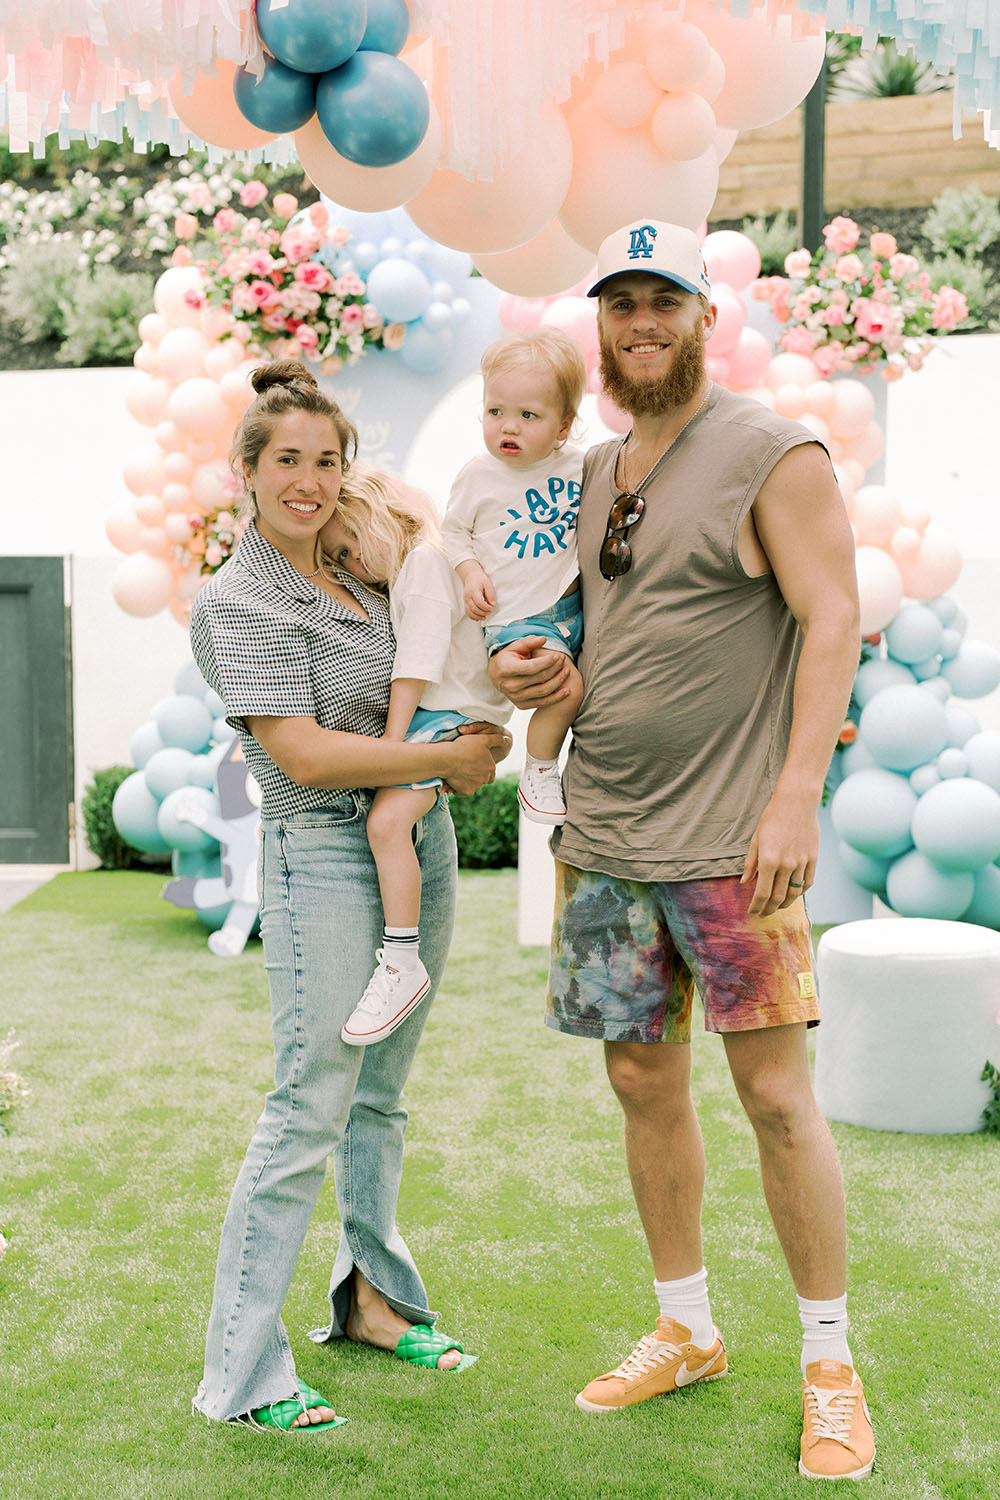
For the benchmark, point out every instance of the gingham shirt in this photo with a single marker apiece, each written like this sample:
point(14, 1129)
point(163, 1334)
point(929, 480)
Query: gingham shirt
point(269, 642)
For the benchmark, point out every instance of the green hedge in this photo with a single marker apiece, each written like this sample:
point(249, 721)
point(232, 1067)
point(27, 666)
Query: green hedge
point(486, 826)
point(103, 839)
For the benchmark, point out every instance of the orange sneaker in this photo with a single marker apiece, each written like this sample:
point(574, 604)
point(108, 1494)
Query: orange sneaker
point(663, 1361)
point(837, 1437)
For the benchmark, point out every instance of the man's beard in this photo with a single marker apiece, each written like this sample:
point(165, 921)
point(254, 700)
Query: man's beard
point(645, 398)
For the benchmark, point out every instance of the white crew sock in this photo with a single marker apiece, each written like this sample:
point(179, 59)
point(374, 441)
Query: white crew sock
point(400, 946)
point(532, 763)
point(687, 1301)
point(824, 1331)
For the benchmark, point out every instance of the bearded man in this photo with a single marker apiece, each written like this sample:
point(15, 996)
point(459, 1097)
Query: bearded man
point(721, 638)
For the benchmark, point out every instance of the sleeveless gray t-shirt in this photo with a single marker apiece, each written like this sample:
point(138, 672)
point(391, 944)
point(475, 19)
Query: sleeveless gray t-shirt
point(687, 663)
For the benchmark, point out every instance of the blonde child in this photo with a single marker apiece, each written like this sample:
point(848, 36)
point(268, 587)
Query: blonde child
point(383, 532)
point(510, 530)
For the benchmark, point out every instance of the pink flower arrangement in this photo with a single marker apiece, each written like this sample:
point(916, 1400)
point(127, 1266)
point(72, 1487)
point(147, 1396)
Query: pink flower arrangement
point(260, 269)
point(213, 538)
point(854, 309)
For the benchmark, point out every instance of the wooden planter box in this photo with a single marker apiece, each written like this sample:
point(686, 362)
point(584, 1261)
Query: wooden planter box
point(889, 153)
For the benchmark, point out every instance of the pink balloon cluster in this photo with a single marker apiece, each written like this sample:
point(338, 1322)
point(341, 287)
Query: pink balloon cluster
point(190, 388)
point(901, 553)
point(840, 412)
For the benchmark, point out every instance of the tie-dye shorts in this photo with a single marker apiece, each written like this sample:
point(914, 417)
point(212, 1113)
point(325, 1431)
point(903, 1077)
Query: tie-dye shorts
point(628, 955)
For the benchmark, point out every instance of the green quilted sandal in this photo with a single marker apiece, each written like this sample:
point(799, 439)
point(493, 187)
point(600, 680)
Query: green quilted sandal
point(421, 1345)
point(280, 1415)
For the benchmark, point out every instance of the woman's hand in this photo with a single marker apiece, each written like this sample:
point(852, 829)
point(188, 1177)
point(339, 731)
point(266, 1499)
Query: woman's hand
point(473, 758)
point(503, 739)
point(530, 673)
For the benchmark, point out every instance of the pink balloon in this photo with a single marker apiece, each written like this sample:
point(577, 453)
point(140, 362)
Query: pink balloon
point(625, 94)
point(168, 437)
point(576, 316)
point(677, 55)
point(683, 126)
point(213, 486)
point(236, 389)
point(880, 588)
point(177, 527)
point(905, 543)
point(853, 408)
point(790, 401)
point(791, 369)
point(917, 516)
point(731, 257)
point(717, 369)
point(182, 354)
point(154, 540)
point(817, 426)
point(710, 86)
point(523, 196)
point(198, 408)
point(820, 397)
point(210, 111)
point(215, 321)
point(760, 392)
point(521, 314)
point(613, 419)
point(220, 359)
point(142, 585)
point(617, 174)
point(123, 527)
point(143, 471)
point(850, 473)
point(152, 328)
point(171, 297)
point(149, 510)
point(748, 362)
point(725, 140)
point(177, 496)
point(730, 318)
point(146, 398)
point(146, 359)
point(769, 69)
point(876, 515)
point(367, 189)
point(867, 448)
point(543, 266)
point(935, 567)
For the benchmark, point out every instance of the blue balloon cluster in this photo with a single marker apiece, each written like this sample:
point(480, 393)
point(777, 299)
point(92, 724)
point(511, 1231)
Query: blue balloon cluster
point(338, 59)
point(409, 278)
point(918, 811)
point(177, 753)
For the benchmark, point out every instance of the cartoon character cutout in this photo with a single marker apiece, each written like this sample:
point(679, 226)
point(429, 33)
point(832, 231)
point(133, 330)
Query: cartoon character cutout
point(238, 833)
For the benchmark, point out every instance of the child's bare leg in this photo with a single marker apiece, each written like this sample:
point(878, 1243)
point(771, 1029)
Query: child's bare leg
point(393, 814)
point(540, 790)
point(400, 980)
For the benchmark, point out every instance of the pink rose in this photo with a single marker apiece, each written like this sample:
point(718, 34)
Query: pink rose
point(314, 276)
point(833, 317)
point(350, 285)
point(339, 237)
point(243, 299)
point(893, 371)
point(883, 245)
point(213, 554)
point(903, 265)
point(394, 335)
point(332, 365)
point(263, 293)
point(285, 204)
point(224, 221)
point(827, 359)
point(798, 341)
point(195, 299)
point(841, 235)
point(260, 265)
point(182, 256)
point(848, 268)
point(352, 319)
point(252, 193)
point(318, 215)
point(950, 307)
point(273, 321)
point(370, 316)
point(797, 263)
point(299, 242)
point(307, 337)
point(185, 226)
point(915, 360)
point(199, 195)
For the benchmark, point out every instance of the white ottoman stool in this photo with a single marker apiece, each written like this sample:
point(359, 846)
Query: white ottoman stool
point(909, 1017)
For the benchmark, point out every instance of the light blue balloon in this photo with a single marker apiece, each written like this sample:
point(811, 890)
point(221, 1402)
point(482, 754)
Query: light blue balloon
point(874, 675)
point(145, 742)
point(924, 671)
point(374, 110)
point(903, 727)
point(421, 252)
point(214, 703)
point(957, 824)
point(203, 771)
point(436, 315)
point(134, 812)
point(197, 864)
point(392, 248)
point(399, 290)
point(974, 670)
point(871, 811)
point(945, 608)
point(939, 687)
point(865, 869)
point(425, 350)
point(951, 640)
point(985, 908)
point(951, 763)
point(388, 26)
point(452, 266)
point(365, 255)
point(280, 100)
point(856, 757)
point(461, 307)
point(961, 721)
point(190, 681)
point(177, 831)
point(924, 777)
point(169, 769)
point(312, 35)
point(222, 730)
point(917, 888)
point(183, 721)
point(913, 634)
point(983, 752)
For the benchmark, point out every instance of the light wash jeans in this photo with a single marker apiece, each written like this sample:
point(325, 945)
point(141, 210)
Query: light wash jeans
point(321, 921)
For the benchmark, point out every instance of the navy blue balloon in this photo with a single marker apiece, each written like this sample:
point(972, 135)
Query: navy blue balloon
point(281, 99)
point(374, 110)
point(388, 26)
point(312, 35)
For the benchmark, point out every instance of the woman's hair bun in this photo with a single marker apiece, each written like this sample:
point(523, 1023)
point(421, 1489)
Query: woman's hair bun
point(282, 372)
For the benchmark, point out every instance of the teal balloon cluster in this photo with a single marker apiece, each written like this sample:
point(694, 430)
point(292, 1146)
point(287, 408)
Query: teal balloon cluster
point(918, 811)
point(176, 752)
point(338, 59)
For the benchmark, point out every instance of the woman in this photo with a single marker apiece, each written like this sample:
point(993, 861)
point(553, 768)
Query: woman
point(302, 656)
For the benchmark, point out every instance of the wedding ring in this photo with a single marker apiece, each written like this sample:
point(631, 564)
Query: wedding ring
point(798, 883)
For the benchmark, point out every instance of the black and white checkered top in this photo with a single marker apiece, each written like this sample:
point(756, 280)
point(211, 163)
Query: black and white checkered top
point(269, 642)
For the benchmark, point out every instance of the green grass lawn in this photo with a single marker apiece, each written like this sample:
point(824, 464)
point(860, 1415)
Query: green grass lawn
point(148, 1061)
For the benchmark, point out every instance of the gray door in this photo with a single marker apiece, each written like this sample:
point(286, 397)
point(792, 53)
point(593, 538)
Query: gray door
point(36, 731)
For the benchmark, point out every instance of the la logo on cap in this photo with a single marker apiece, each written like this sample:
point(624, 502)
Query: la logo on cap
point(641, 242)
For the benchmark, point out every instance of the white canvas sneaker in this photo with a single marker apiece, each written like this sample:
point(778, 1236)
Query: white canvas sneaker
point(539, 793)
point(390, 997)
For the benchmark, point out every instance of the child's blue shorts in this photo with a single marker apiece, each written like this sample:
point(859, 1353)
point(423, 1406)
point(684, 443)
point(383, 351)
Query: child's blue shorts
point(561, 624)
point(429, 725)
